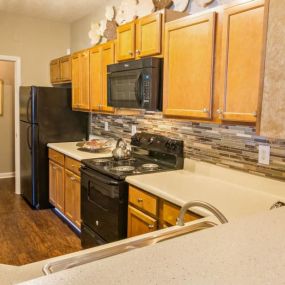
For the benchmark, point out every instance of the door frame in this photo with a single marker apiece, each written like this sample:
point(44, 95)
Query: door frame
point(17, 74)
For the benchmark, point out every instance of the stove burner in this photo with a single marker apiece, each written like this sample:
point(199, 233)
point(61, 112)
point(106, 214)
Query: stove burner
point(150, 166)
point(101, 160)
point(124, 168)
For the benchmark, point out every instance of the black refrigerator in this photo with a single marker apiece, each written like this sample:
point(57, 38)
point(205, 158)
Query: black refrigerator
point(46, 116)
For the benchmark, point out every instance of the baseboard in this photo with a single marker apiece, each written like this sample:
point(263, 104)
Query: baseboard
point(7, 175)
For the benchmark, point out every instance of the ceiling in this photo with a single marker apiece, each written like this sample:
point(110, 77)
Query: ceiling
point(66, 11)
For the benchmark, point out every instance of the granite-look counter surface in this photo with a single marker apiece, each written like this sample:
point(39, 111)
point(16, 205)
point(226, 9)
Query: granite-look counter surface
point(70, 149)
point(246, 251)
point(235, 194)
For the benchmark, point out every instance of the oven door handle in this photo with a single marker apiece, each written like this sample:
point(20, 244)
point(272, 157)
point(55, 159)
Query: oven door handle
point(85, 170)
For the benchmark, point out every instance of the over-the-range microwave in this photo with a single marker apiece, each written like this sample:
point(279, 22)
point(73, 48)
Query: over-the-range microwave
point(135, 84)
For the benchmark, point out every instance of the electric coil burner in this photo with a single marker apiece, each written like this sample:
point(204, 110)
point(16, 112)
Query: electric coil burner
point(104, 192)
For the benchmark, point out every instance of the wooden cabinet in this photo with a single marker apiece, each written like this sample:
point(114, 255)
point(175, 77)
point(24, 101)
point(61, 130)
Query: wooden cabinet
point(100, 57)
point(242, 61)
point(65, 185)
point(80, 81)
point(144, 36)
point(188, 73)
point(60, 70)
point(139, 223)
point(147, 213)
point(72, 197)
point(56, 185)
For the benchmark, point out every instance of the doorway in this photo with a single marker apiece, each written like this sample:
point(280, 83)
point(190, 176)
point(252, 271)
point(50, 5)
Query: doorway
point(10, 74)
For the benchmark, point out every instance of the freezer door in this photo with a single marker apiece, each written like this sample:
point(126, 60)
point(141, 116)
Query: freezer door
point(28, 104)
point(28, 157)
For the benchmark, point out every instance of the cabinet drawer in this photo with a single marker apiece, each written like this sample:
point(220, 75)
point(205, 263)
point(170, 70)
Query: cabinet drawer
point(143, 200)
point(170, 213)
point(56, 156)
point(72, 165)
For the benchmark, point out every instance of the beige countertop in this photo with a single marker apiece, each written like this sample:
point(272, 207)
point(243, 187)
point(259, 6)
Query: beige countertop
point(70, 149)
point(235, 194)
point(245, 251)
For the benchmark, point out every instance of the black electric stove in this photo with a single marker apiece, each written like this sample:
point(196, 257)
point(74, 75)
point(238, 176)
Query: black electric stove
point(104, 192)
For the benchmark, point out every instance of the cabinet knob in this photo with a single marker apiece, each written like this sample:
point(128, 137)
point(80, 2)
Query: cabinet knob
point(130, 53)
point(138, 51)
point(220, 111)
point(97, 223)
point(150, 226)
point(140, 200)
point(72, 178)
point(205, 110)
point(254, 114)
point(54, 167)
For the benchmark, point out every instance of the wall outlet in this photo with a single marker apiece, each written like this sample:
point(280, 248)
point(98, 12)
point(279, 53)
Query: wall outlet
point(106, 126)
point(264, 154)
point(134, 129)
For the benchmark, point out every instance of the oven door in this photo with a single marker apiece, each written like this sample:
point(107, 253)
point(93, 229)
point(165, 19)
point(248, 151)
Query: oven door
point(125, 89)
point(104, 205)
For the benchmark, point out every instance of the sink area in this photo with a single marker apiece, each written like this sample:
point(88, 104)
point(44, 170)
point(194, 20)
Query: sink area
point(125, 246)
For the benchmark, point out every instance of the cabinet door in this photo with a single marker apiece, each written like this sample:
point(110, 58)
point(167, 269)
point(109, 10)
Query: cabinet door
point(108, 57)
point(242, 52)
point(75, 62)
point(52, 183)
point(56, 190)
point(95, 78)
point(126, 42)
point(72, 197)
point(54, 71)
point(148, 38)
point(84, 81)
point(139, 223)
point(65, 69)
point(188, 72)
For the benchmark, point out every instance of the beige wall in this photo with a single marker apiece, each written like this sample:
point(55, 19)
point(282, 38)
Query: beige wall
point(7, 120)
point(80, 28)
point(36, 42)
point(273, 109)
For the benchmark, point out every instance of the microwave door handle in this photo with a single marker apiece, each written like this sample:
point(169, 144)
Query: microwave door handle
point(138, 90)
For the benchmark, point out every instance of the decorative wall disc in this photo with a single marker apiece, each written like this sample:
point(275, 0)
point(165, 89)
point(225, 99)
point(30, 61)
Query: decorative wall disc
point(144, 7)
point(203, 3)
point(161, 4)
point(180, 5)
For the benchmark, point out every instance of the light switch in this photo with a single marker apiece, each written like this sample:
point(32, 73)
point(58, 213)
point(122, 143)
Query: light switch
point(106, 126)
point(134, 129)
point(264, 154)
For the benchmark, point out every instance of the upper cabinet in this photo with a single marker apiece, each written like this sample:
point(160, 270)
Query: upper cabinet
point(80, 81)
point(188, 66)
point(100, 57)
point(244, 28)
point(144, 36)
point(60, 70)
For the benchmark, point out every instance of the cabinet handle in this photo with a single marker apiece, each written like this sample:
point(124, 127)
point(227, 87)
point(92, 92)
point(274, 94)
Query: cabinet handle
point(150, 226)
point(140, 200)
point(138, 51)
point(130, 53)
point(72, 178)
point(54, 168)
point(254, 114)
point(220, 111)
point(205, 110)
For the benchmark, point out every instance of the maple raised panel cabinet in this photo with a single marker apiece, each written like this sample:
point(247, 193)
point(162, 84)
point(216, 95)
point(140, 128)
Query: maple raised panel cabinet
point(100, 57)
point(60, 70)
point(244, 30)
point(80, 81)
point(188, 66)
point(144, 36)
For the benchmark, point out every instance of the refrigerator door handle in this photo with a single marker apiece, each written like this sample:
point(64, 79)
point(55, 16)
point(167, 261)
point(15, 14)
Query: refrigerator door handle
point(29, 109)
point(29, 137)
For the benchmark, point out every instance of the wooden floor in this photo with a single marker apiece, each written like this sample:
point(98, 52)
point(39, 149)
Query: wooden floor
point(28, 235)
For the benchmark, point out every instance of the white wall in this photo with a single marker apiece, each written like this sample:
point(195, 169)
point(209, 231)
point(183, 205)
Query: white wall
point(36, 42)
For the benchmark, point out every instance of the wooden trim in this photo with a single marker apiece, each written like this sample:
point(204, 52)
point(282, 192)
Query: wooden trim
point(1, 97)
point(7, 175)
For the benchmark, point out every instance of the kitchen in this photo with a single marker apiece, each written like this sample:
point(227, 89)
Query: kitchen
point(221, 142)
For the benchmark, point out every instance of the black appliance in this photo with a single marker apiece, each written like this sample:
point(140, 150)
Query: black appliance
point(104, 192)
point(45, 117)
point(136, 84)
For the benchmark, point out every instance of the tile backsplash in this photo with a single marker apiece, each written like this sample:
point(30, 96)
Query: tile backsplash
point(229, 146)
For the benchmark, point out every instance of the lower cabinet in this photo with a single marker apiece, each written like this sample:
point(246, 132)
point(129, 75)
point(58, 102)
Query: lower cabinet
point(64, 185)
point(147, 213)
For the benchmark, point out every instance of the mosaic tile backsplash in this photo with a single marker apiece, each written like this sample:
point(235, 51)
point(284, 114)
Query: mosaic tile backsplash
point(229, 146)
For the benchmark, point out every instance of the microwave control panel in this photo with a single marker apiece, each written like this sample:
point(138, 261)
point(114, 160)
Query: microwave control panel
point(146, 89)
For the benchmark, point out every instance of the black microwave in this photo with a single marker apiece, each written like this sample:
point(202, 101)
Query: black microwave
point(135, 84)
